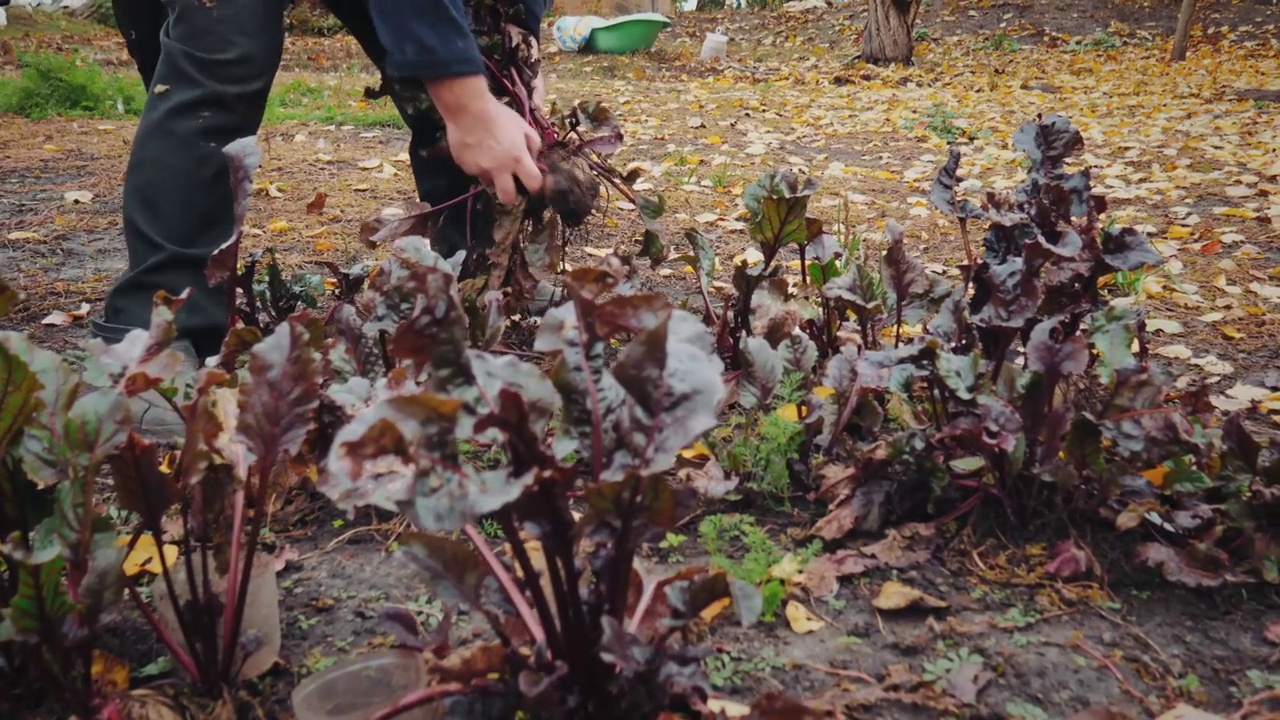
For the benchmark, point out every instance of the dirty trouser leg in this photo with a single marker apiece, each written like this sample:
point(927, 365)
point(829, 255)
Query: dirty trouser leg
point(217, 62)
point(437, 177)
point(140, 23)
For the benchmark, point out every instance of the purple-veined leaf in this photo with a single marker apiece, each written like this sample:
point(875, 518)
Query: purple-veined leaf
point(652, 245)
point(799, 353)
point(1048, 142)
point(761, 373)
point(1128, 249)
point(913, 292)
point(1056, 358)
point(943, 193)
point(144, 359)
point(8, 298)
point(18, 388)
point(1005, 295)
point(278, 399)
point(243, 158)
point(140, 484)
point(779, 206)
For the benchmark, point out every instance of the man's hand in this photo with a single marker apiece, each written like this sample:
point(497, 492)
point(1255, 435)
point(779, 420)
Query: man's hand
point(487, 139)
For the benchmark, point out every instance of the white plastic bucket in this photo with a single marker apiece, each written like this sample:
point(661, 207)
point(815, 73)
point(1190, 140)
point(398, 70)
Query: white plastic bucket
point(715, 46)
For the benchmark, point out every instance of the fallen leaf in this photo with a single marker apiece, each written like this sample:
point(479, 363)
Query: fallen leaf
point(57, 318)
point(789, 412)
point(73, 197)
point(965, 682)
point(316, 206)
point(821, 576)
point(1177, 352)
point(23, 235)
point(728, 708)
point(285, 555)
point(1231, 333)
point(1155, 475)
point(145, 556)
point(695, 122)
point(1272, 633)
point(360, 188)
point(1170, 327)
point(895, 595)
point(696, 452)
point(787, 569)
point(1250, 393)
point(711, 611)
point(1229, 405)
point(324, 246)
point(110, 674)
point(370, 164)
point(278, 226)
point(709, 481)
point(1069, 561)
point(801, 620)
point(1182, 711)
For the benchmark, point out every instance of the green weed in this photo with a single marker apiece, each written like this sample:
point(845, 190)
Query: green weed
point(1001, 42)
point(726, 670)
point(948, 663)
point(328, 104)
point(725, 535)
point(53, 85)
point(1095, 42)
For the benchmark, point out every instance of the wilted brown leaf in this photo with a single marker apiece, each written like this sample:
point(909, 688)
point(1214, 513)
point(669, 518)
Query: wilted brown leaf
point(316, 206)
point(900, 596)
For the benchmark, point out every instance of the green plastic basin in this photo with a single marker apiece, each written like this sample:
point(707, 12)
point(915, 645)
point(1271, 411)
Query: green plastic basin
point(627, 34)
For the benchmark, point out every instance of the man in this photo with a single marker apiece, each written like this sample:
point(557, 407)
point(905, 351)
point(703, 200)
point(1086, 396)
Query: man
point(209, 66)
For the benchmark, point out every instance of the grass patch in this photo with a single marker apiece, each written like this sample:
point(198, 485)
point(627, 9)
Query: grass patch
point(24, 22)
point(52, 85)
point(336, 104)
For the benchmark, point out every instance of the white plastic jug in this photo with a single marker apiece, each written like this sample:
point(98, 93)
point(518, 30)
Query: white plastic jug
point(715, 47)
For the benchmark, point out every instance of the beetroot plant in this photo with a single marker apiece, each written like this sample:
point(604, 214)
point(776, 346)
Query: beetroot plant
point(577, 629)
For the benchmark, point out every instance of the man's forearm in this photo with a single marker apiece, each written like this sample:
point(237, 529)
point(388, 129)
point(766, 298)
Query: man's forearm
point(456, 97)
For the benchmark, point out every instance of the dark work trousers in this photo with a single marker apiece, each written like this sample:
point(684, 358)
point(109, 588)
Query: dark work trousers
point(209, 66)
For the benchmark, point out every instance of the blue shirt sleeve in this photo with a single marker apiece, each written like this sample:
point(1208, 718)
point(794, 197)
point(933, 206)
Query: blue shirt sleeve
point(431, 39)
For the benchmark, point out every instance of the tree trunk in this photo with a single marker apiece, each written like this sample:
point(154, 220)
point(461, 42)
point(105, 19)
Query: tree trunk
point(887, 38)
point(1184, 30)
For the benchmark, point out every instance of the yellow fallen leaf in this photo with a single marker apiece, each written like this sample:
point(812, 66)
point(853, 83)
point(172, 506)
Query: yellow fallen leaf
point(330, 283)
point(1236, 212)
point(900, 596)
point(23, 235)
point(696, 452)
point(145, 556)
point(728, 708)
point(1177, 232)
point(714, 140)
point(1231, 333)
point(711, 611)
point(789, 412)
point(1155, 475)
point(324, 246)
point(801, 620)
point(110, 674)
point(787, 568)
point(824, 392)
point(278, 226)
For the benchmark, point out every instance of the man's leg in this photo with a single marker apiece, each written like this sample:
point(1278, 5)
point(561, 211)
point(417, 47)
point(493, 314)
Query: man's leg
point(140, 23)
point(466, 226)
point(217, 61)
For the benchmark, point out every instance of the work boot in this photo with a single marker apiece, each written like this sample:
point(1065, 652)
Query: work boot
point(154, 417)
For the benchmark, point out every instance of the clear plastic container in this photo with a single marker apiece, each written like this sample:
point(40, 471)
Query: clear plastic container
point(715, 46)
point(261, 610)
point(357, 689)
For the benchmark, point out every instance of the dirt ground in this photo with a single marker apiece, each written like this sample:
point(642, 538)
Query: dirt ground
point(1192, 154)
